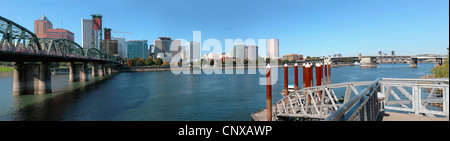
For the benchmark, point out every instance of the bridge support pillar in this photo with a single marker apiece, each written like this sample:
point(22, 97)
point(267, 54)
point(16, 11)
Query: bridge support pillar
point(45, 79)
point(31, 78)
point(78, 72)
point(101, 70)
point(94, 70)
point(334, 64)
point(438, 62)
point(109, 70)
point(413, 63)
point(105, 70)
point(367, 62)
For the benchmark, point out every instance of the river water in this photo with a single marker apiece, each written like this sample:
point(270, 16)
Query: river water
point(156, 96)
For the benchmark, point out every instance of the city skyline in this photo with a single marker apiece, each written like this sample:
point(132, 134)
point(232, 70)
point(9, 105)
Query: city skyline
point(310, 28)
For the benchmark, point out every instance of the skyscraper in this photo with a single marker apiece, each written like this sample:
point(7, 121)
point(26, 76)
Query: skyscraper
point(192, 51)
point(238, 51)
point(122, 46)
point(164, 45)
point(44, 29)
point(137, 48)
point(41, 25)
point(86, 33)
point(252, 52)
point(273, 48)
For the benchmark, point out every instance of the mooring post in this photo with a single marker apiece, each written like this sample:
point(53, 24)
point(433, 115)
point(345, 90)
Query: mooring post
point(308, 79)
point(329, 72)
point(286, 80)
point(311, 77)
point(325, 66)
point(268, 94)
point(318, 76)
point(296, 76)
point(304, 75)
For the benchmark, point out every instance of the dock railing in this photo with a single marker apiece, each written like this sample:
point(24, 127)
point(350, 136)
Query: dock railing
point(362, 107)
point(428, 97)
point(419, 96)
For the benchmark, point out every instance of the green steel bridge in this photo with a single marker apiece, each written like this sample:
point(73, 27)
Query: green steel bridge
point(31, 56)
point(20, 44)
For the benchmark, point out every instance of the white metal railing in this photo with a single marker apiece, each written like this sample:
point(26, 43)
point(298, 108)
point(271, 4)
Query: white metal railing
point(418, 96)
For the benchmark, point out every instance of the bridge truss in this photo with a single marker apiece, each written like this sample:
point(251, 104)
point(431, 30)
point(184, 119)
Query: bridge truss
point(19, 41)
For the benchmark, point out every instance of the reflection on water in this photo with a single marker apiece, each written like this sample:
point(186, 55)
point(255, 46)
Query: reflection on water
point(165, 96)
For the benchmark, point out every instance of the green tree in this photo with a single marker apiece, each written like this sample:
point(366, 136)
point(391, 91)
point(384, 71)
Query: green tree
point(441, 71)
point(308, 57)
point(158, 61)
point(149, 61)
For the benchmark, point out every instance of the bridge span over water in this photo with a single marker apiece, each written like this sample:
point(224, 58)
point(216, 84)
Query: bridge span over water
point(31, 56)
point(372, 61)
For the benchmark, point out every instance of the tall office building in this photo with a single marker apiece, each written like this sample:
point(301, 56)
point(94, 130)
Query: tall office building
point(252, 52)
point(41, 25)
point(137, 48)
point(192, 51)
point(111, 47)
point(273, 48)
point(122, 47)
point(44, 29)
point(238, 52)
point(162, 47)
point(86, 33)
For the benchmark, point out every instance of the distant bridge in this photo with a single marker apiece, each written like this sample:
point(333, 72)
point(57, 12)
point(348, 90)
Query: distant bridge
point(372, 61)
point(31, 57)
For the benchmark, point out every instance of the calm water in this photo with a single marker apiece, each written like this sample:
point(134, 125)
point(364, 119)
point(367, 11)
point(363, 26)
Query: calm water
point(165, 96)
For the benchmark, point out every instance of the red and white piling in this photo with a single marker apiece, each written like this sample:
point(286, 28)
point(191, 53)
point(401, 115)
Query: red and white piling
point(308, 78)
point(268, 93)
point(329, 72)
point(325, 66)
point(296, 76)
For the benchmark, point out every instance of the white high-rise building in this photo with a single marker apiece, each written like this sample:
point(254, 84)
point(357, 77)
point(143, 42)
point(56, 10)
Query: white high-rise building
point(122, 46)
point(192, 51)
point(86, 33)
point(273, 48)
point(252, 52)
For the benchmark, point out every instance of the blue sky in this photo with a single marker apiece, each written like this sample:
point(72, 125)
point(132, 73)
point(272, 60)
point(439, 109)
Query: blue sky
point(308, 27)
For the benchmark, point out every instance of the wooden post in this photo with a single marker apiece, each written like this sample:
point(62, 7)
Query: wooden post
point(329, 72)
point(325, 66)
point(304, 75)
point(318, 82)
point(286, 92)
point(311, 77)
point(308, 79)
point(268, 94)
point(318, 76)
point(296, 76)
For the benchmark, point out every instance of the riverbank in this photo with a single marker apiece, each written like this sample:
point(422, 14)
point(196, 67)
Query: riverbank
point(6, 71)
point(168, 68)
